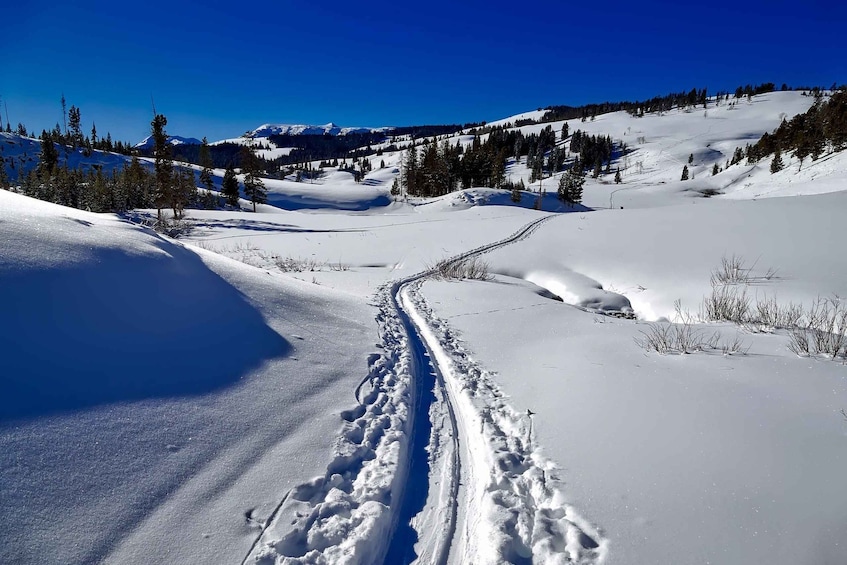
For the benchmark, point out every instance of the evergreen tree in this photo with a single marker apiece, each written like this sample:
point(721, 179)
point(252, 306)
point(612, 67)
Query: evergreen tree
point(516, 193)
point(684, 173)
point(163, 166)
point(715, 169)
point(618, 176)
point(690, 158)
point(65, 113)
point(777, 164)
point(4, 178)
point(230, 187)
point(49, 155)
point(254, 188)
point(570, 185)
point(205, 158)
point(74, 127)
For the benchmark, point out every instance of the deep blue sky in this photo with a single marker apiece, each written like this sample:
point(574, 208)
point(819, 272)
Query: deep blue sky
point(220, 68)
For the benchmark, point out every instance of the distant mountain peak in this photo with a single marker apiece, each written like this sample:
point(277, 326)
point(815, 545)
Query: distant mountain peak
point(148, 143)
point(267, 130)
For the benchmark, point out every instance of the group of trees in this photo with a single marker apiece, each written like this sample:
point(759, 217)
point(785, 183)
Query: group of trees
point(135, 185)
point(132, 186)
point(822, 128)
point(436, 169)
point(684, 99)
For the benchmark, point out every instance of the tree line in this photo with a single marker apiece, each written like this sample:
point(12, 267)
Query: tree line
point(137, 184)
point(821, 129)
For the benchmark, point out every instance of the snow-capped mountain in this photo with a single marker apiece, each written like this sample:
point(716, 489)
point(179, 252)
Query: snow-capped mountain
point(147, 142)
point(266, 130)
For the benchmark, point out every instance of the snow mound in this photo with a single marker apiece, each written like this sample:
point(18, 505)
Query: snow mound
point(471, 197)
point(85, 283)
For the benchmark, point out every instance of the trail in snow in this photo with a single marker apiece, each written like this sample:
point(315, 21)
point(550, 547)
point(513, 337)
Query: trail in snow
point(432, 465)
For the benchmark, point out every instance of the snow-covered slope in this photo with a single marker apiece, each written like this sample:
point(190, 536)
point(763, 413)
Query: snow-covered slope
point(152, 395)
point(337, 403)
point(21, 154)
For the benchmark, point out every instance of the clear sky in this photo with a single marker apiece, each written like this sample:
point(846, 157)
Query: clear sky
point(220, 68)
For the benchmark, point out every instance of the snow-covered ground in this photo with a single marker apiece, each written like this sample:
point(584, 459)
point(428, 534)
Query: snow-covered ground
point(325, 398)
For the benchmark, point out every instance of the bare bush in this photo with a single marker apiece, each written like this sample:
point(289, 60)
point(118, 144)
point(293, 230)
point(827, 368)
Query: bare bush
point(472, 268)
point(731, 271)
point(799, 342)
point(297, 264)
point(771, 314)
point(684, 338)
point(726, 303)
point(827, 326)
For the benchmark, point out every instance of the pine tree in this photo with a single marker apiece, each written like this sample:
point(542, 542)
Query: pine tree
point(4, 178)
point(74, 129)
point(684, 173)
point(516, 193)
point(254, 188)
point(618, 176)
point(163, 166)
point(205, 159)
point(230, 187)
point(715, 169)
point(570, 185)
point(65, 113)
point(49, 156)
point(777, 164)
point(690, 158)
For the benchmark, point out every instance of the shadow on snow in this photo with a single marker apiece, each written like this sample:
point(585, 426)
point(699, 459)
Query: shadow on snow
point(124, 328)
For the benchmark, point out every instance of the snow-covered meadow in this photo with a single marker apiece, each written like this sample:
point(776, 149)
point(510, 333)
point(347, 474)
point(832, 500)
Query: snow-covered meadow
point(295, 386)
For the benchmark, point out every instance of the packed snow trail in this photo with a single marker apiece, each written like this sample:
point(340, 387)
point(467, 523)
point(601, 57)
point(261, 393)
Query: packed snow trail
point(432, 457)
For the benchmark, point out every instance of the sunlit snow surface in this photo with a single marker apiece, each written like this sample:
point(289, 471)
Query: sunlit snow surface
point(162, 398)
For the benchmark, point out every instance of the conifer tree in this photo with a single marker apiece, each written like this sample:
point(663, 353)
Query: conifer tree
point(684, 173)
point(205, 158)
point(715, 169)
point(163, 165)
point(254, 188)
point(618, 176)
point(49, 156)
point(776, 164)
point(230, 187)
point(570, 185)
point(74, 129)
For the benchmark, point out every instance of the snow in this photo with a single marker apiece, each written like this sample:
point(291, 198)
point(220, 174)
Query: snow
point(155, 392)
point(267, 130)
point(330, 400)
point(148, 143)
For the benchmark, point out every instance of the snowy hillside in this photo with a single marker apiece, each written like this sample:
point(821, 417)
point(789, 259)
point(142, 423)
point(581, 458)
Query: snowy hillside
point(346, 376)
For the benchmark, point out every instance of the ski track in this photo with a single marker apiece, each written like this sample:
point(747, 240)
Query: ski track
point(495, 498)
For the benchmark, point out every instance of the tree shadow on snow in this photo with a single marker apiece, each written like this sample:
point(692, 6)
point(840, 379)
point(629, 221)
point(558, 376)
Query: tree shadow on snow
point(124, 328)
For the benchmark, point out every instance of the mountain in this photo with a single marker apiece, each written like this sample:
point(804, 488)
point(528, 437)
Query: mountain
point(267, 130)
point(147, 142)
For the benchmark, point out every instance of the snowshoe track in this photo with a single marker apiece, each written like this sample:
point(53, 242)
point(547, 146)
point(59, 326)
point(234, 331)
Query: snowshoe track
point(351, 513)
